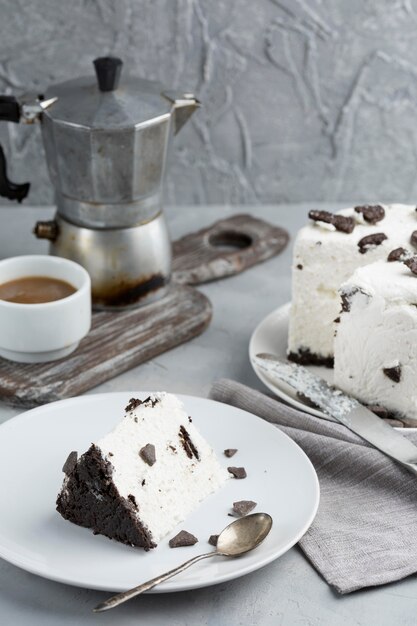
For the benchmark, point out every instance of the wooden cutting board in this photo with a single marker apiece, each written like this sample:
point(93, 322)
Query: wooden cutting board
point(121, 340)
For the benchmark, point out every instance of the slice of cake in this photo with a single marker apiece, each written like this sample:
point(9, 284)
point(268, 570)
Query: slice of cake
point(143, 478)
point(326, 254)
point(375, 358)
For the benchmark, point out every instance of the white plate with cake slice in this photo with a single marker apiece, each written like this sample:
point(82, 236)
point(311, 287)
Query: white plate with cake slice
point(33, 536)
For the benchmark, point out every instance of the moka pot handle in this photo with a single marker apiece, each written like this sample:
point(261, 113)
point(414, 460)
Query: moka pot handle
point(10, 112)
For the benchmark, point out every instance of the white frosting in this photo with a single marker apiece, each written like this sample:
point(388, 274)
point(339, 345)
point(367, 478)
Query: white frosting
point(175, 484)
point(328, 258)
point(379, 331)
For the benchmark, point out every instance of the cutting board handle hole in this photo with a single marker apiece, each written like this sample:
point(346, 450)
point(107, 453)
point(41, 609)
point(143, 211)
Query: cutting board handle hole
point(230, 240)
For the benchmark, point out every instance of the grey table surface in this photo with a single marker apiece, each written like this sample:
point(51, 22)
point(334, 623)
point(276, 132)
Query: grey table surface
point(288, 592)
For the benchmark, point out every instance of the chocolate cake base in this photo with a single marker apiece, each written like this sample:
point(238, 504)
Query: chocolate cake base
point(89, 498)
point(305, 357)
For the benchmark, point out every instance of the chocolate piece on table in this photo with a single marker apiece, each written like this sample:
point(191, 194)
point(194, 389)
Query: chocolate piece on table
point(370, 241)
point(147, 454)
point(371, 213)
point(238, 472)
point(70, 463)
point(213, 540)
point(229, 452)
point(183, 538)
point(243, 507)
point(393, 373)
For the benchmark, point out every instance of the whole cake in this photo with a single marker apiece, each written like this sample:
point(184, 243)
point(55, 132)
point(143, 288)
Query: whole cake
point(326, 254)
point(143, 478)
point(375, 347)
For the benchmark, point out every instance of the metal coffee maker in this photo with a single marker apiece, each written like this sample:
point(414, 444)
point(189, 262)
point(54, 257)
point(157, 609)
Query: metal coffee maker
point(106, 140)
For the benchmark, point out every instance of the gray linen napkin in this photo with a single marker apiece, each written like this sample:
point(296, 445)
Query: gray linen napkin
point(365, 531)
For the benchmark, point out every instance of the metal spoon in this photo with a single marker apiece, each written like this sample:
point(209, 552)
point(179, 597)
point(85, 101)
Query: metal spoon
point(239, 537)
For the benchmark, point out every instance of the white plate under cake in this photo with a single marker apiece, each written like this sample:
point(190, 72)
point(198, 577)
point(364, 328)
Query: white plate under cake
point(33, 536)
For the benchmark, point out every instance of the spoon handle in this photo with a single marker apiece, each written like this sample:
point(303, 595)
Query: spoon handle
point(131, 593)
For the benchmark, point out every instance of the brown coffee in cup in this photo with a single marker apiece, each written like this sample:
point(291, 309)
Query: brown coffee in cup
point(35, 290)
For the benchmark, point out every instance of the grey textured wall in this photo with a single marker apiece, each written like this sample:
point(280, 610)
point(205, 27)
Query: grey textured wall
point(303, 99)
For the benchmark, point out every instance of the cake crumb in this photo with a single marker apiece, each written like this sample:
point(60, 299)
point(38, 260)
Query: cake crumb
point(243, 507)
point(70, 463)
point(212, 540)
point(238, 472)
point(183, 538)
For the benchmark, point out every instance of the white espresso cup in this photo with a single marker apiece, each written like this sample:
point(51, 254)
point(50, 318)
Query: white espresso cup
point(35, 333)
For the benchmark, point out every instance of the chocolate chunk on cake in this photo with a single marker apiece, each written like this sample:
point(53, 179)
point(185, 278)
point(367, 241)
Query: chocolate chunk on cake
point(329, 255)
point(142, 479)
point(376, 340)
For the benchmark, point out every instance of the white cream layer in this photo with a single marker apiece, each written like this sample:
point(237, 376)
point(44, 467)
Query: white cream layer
point(379, 331)
point(175, 484)
point(323, 259)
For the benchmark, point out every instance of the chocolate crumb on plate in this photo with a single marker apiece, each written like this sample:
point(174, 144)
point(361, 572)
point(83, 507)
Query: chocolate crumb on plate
point(238, 472)
point(212, 540)
point(243, 507)
point(70, 463)
point(229, 452)
point(183, 538)
point(371, 213)
point(147, 454)
point(299, 266)
point(368, 242)
point(413, 238)
point(393, 373)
